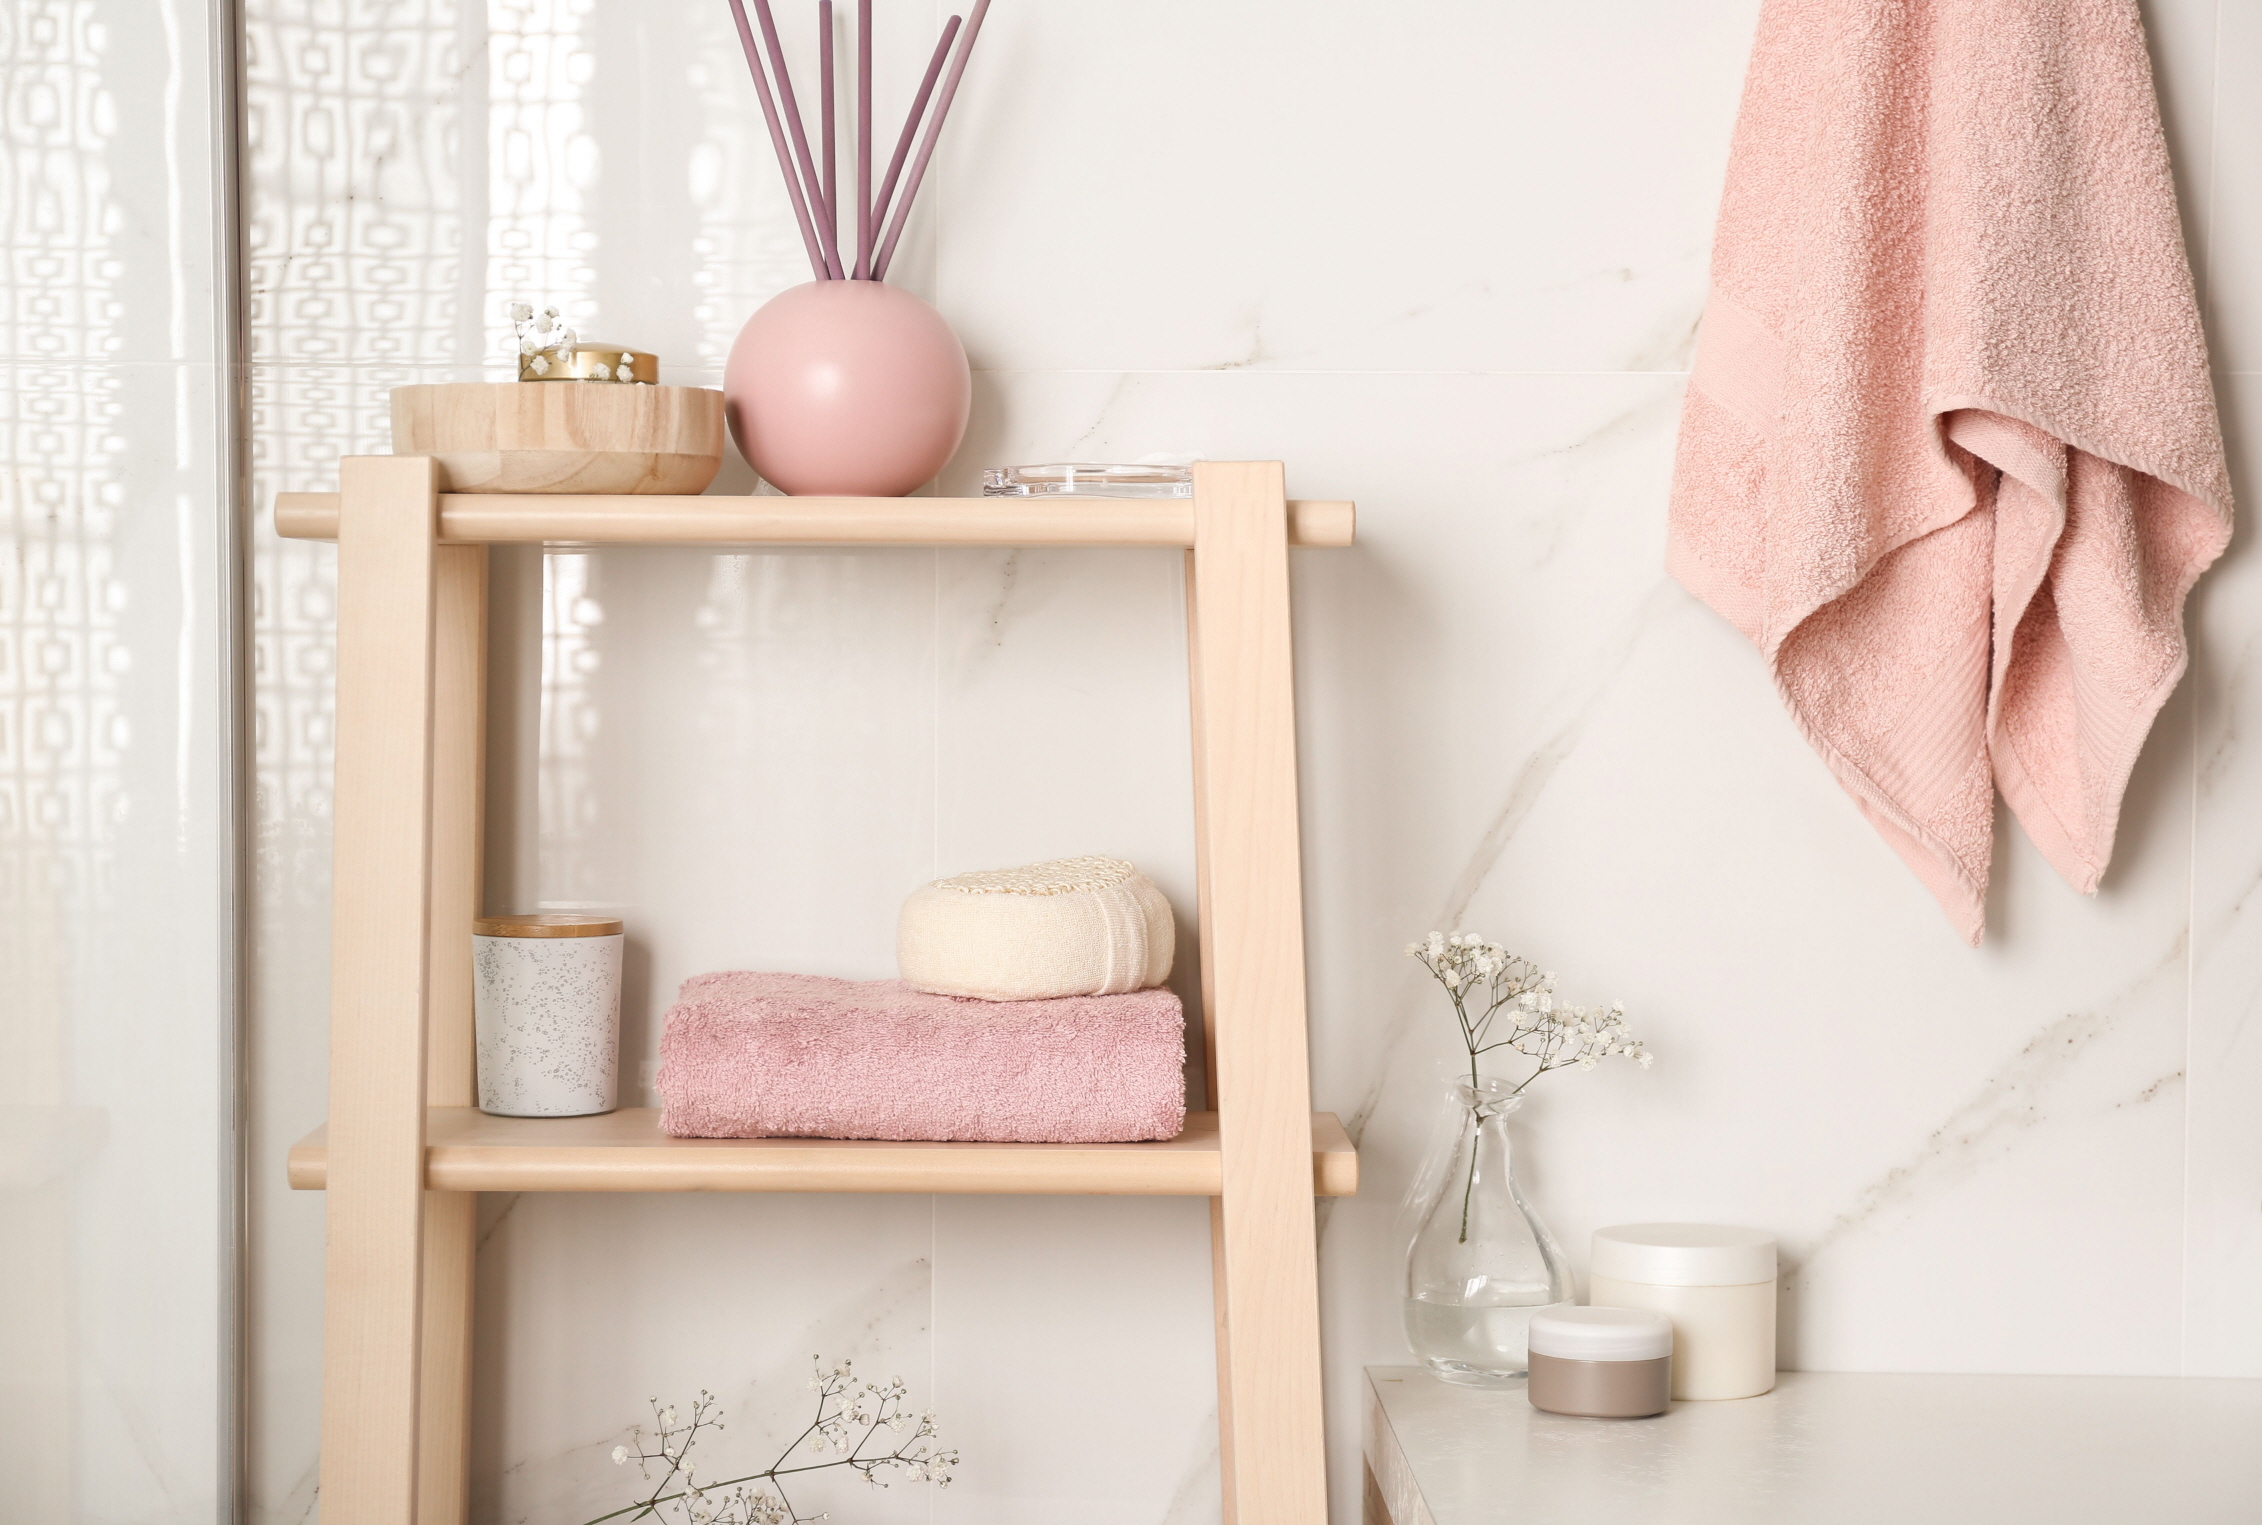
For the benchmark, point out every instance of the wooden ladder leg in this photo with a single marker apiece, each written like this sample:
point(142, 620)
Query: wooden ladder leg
point(381, 860)
point(1224, 1333)
point(459, 708)
point(1253, 980)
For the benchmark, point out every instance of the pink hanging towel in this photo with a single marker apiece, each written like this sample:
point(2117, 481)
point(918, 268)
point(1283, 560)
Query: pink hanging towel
point(1950, 455)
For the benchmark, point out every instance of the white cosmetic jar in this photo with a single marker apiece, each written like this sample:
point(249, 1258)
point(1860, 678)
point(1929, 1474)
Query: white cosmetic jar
point(546, 1012)
point(1717, 1285)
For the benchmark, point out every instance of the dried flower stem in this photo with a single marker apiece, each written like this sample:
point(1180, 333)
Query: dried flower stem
point(1512, 991)
point(848, 1416)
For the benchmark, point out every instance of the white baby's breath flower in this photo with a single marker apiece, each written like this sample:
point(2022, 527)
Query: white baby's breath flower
point(620, 1455)
point(1505, 1002)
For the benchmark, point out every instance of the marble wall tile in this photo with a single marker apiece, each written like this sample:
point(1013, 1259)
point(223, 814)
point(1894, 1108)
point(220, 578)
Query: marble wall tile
point(591, 1305)
point(1274, 185)
point(2234, 220)
point(2222, 1326)
point(1072, 1366)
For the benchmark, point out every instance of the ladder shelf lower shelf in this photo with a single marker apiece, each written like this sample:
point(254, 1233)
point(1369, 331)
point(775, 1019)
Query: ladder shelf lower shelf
point(467, 1150)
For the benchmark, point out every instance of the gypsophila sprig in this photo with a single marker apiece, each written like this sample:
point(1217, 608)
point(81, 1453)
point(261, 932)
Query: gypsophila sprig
point(1505, 1002)
point(1502, 1001)
point(543, 338)
point(866, 1427)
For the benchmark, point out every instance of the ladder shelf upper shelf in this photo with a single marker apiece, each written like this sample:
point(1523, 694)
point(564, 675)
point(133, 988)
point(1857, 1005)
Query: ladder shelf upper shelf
point(535, 518)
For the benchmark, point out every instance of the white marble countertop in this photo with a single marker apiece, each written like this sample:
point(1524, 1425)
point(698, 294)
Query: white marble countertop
point(1826, 1449)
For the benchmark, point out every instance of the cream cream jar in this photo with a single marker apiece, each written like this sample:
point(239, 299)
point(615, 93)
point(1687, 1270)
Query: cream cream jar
point(1601, 1363)
point(1716, 1284)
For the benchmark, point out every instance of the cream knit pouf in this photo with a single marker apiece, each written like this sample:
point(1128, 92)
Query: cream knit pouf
point(1072, 927)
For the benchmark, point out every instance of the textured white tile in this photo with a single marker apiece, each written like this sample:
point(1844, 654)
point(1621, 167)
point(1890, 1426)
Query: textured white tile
point(363, 170)
point(1295, 186)
point(2223, 1221)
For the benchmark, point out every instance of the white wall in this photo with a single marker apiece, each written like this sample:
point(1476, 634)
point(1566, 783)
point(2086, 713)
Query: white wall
point(118, 628)
point(1448, 263)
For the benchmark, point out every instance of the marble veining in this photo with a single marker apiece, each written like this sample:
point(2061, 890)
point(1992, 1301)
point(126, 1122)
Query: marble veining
point(2012, 1101)
point(1525, 788)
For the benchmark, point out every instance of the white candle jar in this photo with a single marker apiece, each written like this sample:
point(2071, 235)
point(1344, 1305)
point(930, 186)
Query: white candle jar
point(1716, 1284)
point(546, 1009)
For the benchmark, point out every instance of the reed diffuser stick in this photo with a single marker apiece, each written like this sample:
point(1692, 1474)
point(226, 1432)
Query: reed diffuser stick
point(911, 123)
point(777, 140)
point(934, 131)
point(790, 109)
point(863, 140)
point(825, 111)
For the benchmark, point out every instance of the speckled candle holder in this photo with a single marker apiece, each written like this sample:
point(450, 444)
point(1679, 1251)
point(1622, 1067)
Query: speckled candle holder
point(546, 1007)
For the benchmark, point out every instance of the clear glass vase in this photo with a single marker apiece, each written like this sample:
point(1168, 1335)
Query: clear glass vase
point(1481, 1263)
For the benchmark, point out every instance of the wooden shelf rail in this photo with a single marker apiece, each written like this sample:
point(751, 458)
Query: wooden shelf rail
point(501, 519)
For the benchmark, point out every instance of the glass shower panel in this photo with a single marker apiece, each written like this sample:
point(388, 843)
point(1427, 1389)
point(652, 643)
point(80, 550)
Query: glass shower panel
point(117, 830)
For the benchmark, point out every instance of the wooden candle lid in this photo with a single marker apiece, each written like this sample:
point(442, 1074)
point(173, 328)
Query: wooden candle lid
point(546, 924)
point(586, 437)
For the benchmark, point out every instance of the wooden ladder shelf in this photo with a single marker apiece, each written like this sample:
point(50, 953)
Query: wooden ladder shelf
point(405, 1150)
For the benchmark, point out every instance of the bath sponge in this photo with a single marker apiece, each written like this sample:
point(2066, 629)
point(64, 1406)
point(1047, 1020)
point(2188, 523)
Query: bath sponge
point(1071, 927)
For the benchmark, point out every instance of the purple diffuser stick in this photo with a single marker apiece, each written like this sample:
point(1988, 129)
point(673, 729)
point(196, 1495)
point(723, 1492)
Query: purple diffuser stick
point(777, 140)
point(911, 123)
point(825, 110)
point(863, 140)
point(790, 109)
point(934, 131)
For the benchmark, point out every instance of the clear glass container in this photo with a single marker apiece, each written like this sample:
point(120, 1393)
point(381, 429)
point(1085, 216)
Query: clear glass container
point(1086, 479)
point(1480, 1263)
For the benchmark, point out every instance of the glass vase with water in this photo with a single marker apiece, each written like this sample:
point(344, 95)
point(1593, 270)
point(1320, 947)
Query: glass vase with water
point(1481, 1263)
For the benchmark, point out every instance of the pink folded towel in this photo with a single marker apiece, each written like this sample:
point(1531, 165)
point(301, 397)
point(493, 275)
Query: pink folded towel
point(1950, 455)
point(803, 1056)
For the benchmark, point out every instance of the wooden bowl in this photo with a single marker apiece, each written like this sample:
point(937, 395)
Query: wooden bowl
point(563, 436)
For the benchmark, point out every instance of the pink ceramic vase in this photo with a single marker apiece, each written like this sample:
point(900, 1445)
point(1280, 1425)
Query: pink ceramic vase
point(849, 388)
